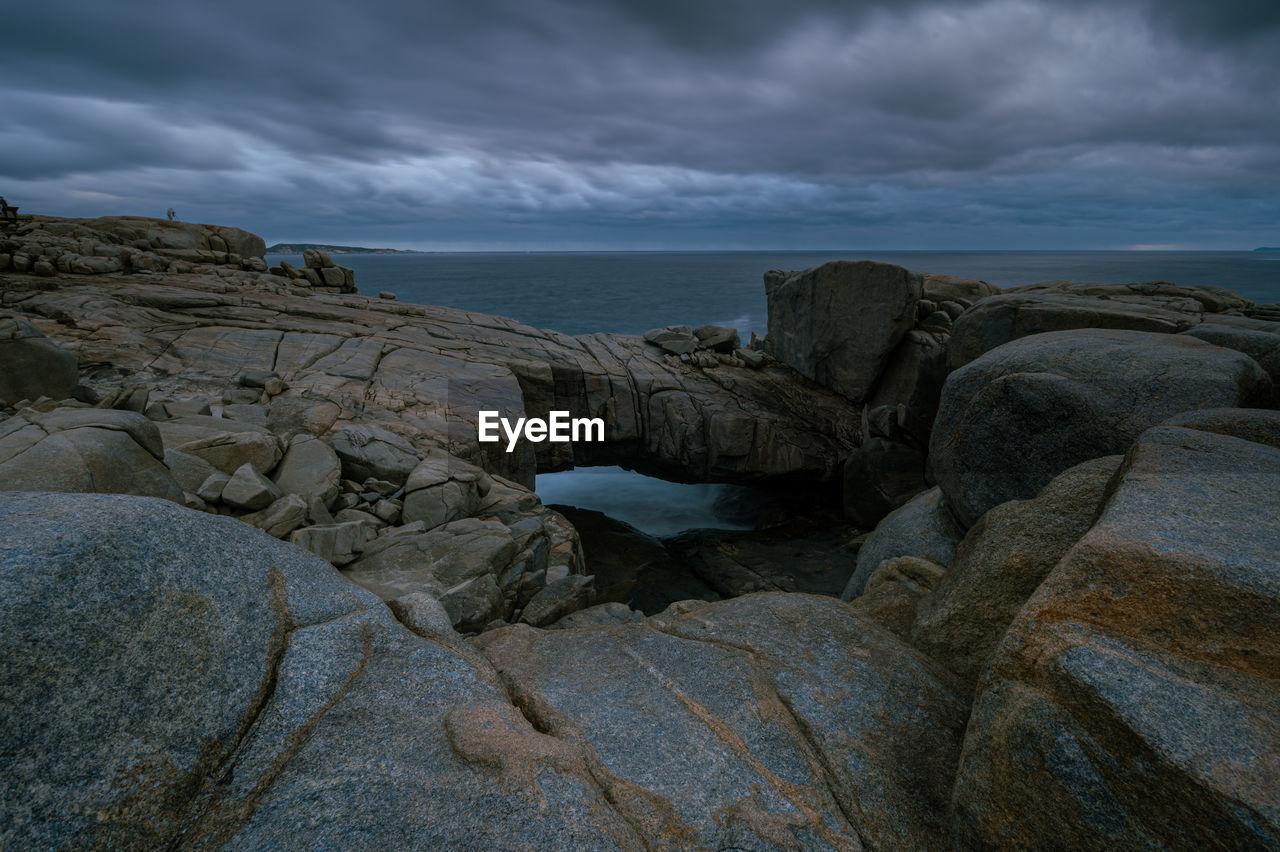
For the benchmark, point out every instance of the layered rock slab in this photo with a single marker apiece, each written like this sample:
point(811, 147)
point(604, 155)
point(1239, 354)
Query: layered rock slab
point(85, 450)
point(206, 685)
point(1064, 397)
point(421, 374)
point(1132, 703)
point(778, 721)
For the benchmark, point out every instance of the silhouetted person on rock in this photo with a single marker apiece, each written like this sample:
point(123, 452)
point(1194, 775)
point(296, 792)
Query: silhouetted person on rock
point(170, 214)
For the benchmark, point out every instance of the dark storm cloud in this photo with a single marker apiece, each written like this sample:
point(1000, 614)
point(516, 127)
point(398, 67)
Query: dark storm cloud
point(626, 122)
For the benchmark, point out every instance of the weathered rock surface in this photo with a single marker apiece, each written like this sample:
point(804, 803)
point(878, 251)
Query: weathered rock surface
point(880, 476)
point(676, 339)
point(600, 615)
point(338, 544)
point(1065, 397)
point(220, 688)
point(912, 382)
point(632, 567)
point(441, 489)
point(955, 289)
point(190, 472)
point(480, 570)
point(1159, 293)
point(893, 593)
point(248, 489)
point(85, 450)
point(113, 244)
point(32, 365)
point(372, 452)
point(309, 469)
point(1001, 562)
point(1132, 703)
point(225, 444)
point(558, 599)
point(776, 750)
point(838, 323)
point(210, 491)
point(924, 527)
point(812, 555)
point(283, 516)
point(1261, 426)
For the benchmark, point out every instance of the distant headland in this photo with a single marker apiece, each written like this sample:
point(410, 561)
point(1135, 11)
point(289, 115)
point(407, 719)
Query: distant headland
point(1268, 248)
point(299, 248)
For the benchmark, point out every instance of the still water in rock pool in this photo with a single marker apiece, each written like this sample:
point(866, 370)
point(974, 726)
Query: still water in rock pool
point(655, 506)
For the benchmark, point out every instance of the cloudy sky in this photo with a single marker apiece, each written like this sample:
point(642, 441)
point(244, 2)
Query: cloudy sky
point(594, 124)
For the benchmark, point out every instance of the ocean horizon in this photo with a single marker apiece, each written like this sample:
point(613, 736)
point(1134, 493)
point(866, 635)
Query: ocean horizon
point(629, 292)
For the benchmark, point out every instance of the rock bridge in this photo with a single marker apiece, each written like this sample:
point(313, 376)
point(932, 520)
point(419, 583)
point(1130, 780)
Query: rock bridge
point(424, 373)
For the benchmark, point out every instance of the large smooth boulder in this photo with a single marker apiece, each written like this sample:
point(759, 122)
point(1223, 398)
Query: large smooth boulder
point(1259, 425)
point(85, 450)
point(770, 721)
point(1258, 339)
point(1010, 316)
point(1024, 412)
point(1133, 701)
point(1001, 562)
point(32, 365)
point(1176, 297)
point(924, 527)
point(172, 678)
point(940, 287)
point(838, 323)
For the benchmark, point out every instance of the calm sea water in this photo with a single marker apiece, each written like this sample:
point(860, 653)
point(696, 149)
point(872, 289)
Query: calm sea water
point(630, 292)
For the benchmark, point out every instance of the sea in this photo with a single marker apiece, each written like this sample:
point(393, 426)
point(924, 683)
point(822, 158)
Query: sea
point(631, 292)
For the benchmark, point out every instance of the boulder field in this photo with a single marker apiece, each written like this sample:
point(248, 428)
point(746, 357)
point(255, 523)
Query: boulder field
point(262, 588)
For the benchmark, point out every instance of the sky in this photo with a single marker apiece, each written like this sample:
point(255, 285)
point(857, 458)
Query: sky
point(655, 124)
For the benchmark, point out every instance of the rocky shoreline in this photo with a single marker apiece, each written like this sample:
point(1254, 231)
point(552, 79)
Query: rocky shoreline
point(263, 588)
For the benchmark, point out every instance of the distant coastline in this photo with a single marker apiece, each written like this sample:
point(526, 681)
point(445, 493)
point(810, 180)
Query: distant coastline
point(299, 248)
point(1268, 248)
